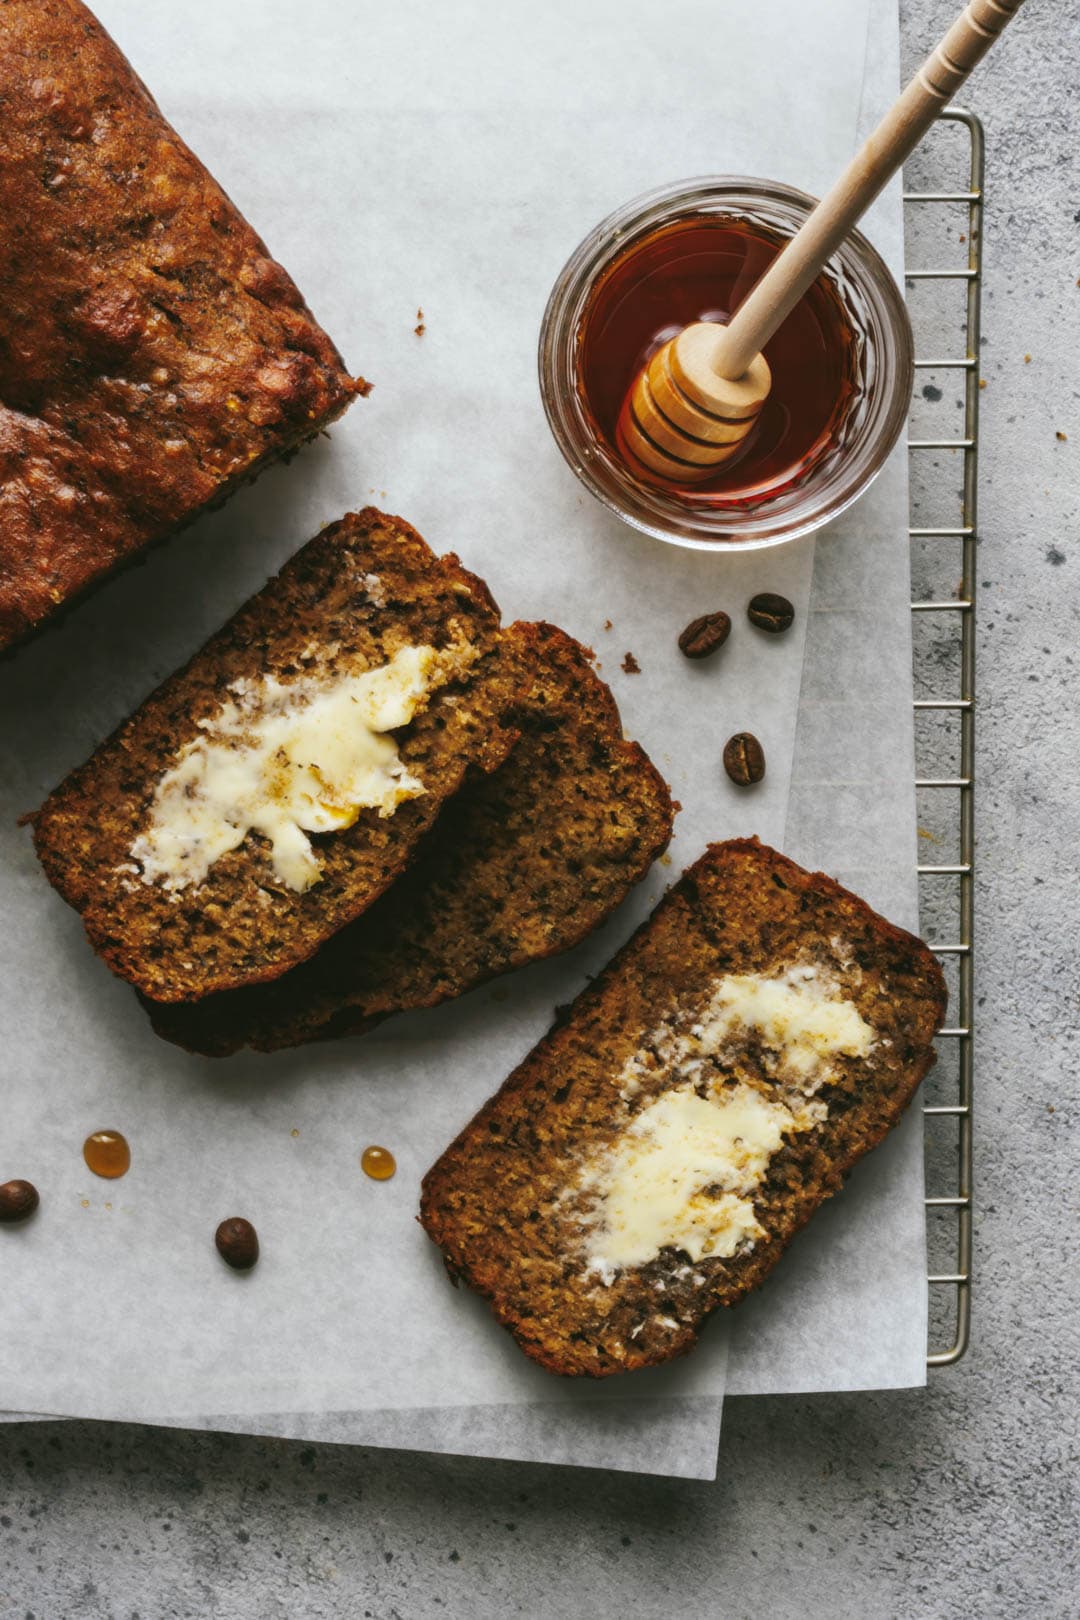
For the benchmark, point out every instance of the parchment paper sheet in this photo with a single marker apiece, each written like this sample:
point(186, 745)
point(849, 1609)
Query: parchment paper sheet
point(456, 184)
point(852, 813)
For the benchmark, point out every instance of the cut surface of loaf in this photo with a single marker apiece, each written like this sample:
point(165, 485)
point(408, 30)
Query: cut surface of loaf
point(152, 354)
point(522, 864)
point(181, 893)
point(652, 1157)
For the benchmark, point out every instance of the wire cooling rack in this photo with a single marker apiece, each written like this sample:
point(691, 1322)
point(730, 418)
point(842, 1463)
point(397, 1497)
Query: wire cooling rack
point(945, 304)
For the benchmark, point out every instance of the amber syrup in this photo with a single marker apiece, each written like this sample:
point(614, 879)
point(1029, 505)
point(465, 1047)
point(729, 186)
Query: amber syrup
point(378, 1163)
point(701, 269)
point(107, 1154)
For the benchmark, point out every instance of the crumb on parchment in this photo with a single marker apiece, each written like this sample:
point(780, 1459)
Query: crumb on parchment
point(630, 665)
point(420, 328)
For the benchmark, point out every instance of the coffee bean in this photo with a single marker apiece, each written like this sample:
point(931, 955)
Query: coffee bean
point(771, 612)
point(744, 759)
point(702, 636)
point(18, 1199)
point(237, 1243)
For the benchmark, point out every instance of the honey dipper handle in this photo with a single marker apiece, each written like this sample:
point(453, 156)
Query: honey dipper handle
point(899, 132)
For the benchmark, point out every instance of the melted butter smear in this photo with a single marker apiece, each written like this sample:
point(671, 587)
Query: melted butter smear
point(285, 760)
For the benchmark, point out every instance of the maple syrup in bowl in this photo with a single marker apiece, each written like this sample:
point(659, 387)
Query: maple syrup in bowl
point(842, 362)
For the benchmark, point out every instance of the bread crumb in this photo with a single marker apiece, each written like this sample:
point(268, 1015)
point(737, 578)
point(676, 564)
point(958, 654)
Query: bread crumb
point(419, 328)
point(631, 665)
point(1027, 359)
point(982, 382)
point(1062, 436)
point(608, 625)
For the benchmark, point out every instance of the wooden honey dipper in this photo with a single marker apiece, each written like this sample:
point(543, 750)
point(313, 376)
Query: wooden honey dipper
point(698, 397)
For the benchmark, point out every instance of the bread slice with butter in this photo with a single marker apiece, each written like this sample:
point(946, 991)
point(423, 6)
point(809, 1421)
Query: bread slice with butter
point(653, 1156)
point(268, 793)
point(522, 864)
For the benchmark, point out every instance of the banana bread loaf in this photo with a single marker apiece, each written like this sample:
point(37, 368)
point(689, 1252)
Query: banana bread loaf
point(522, 864)
point(268, 793)
point(152, 354)
point(655, 1153)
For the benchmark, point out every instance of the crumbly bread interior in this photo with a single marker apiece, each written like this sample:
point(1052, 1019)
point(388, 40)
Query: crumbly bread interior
point(346, 602)
point(537, 1205)
point(520, 865)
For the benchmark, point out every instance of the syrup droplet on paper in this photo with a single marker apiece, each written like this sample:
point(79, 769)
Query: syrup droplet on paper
point(378, 1163)
point(107, 1154)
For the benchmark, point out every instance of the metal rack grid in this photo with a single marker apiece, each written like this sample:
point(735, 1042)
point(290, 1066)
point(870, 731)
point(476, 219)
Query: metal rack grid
point(954, 1325)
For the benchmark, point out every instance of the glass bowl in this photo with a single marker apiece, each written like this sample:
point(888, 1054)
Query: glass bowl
point(885, 364)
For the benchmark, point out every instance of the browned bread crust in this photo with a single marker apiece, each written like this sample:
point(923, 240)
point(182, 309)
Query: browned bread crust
point(496, 1202)
point(152, 354)
point(521, 865)
point(364, 588)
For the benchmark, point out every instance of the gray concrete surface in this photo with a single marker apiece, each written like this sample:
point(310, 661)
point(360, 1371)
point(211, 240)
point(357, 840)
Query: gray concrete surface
point(961, 1500)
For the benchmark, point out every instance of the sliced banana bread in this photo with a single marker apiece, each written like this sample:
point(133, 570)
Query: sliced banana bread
point(521, 865)
point(269, 792)
point(655, 1153)
point(153, 355)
